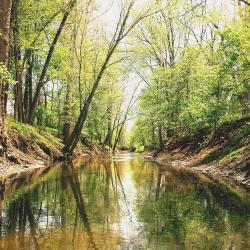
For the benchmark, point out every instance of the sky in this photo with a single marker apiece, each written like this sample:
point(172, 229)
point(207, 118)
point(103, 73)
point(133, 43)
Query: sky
point(113, 6)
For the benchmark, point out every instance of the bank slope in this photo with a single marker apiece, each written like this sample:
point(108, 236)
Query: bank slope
point(224, 152)
point(32, 147)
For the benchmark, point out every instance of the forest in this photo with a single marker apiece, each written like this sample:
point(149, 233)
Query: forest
point(125, 124)
point(171, 67)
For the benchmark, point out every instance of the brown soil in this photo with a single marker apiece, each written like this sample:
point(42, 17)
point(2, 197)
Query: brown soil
point(27, 153)
point(22, 156)
point(225, 152)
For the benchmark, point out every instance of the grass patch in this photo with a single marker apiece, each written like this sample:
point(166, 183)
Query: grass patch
point(38, 137)
point(235, 146)
point(233, 154)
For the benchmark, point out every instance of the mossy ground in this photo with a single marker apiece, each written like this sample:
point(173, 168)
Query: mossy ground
point(31, 147)
point(36, 140)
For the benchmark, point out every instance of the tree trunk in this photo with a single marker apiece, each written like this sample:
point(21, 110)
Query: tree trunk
point(153, 133)
point(45, 106)
point(17, 59)
point(117, 137)
point(5, 10)
point(75, 135)
point(9, 69)
point(68, 104)
point(67, 114)
point(28, 83)
point(108, 138)
point(59, 94)
point(161, 142)
point(244, 102)
point(41, 81)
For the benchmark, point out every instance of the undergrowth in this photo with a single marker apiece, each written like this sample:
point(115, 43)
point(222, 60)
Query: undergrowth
point(39, 137)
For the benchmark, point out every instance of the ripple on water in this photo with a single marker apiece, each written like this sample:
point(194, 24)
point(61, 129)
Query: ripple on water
point(124, 203)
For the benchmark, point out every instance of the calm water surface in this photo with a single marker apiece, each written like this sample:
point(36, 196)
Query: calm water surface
point(122, 203)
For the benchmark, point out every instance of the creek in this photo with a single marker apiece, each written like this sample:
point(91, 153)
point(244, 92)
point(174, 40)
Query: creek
point(125, 202)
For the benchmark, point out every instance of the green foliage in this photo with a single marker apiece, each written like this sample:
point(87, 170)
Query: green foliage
point(196, 64)
point(40, 137)
point(5, 75)
point(236, 146)
point(139, 148)
point(207, 85)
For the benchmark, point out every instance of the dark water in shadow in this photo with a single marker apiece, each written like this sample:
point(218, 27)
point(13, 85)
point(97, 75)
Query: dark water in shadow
point(125, 203)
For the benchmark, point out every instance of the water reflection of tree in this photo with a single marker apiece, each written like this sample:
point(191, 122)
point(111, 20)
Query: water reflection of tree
point(19, 213)
point(122, 189)
point(75, 186)
point(177, 208)
point(183, 208)
point(38, 205)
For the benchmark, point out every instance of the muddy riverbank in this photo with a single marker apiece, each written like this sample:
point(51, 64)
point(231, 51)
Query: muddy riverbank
point(31, 148)
point(224, 152)
point(214, 171)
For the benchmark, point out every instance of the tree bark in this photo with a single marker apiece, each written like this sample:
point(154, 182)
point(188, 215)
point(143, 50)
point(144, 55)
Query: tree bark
point(117, 138)
point(18, 69)
point(67, 114)
point(41, 81)
point(75, 135)
point(108, 138)
point(5, 11)
point(28, 83)
point(161, 142)
point(68, 104)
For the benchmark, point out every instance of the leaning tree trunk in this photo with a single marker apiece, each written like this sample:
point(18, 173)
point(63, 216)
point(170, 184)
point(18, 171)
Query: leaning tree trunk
point(41, 81)
point(68, 102)
point(117, 138)
point(75, 135)
point(120, 33)
point(5, 10)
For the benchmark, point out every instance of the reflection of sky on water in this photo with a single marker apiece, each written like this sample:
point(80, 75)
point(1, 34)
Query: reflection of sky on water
point(127, 203)
point(124, 157)
point(128, 225)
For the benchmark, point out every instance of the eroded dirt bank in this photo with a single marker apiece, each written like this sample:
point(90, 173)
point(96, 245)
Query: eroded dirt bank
point(223, 153)
point(31, 148)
